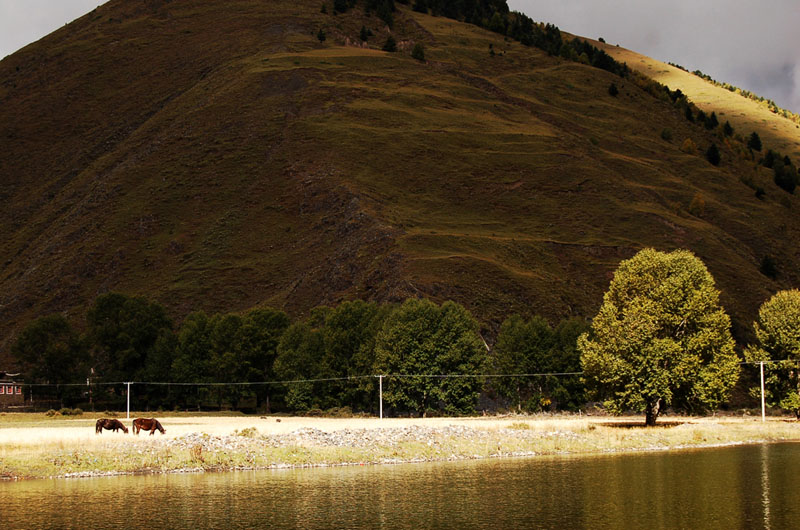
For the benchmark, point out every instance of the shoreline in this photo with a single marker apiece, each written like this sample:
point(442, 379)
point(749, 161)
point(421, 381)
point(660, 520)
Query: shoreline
point(62, 449)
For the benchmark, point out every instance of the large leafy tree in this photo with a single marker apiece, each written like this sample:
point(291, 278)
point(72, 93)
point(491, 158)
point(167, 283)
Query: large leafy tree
point(123, 331)
point(778, 334)
point(299, 362)
point(259, 335)
point(50, 351)
point(349, 335)
point(533, 347)
point(660, 338)
point(424, 341)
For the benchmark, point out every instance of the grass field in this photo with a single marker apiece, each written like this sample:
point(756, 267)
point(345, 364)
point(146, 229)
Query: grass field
point(34, 445)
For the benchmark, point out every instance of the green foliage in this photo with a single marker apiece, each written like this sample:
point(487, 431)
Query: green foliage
point(533, 347)
point(321, 35)
point(420, 337)
point(712, 155)
point(754, 142)
point(778, 333)
point(660, 338)
point(390, 45)
point(300, 354)
point(364, 34)
point(349, 335)
point(123, 331)
point(49, 350)
point(613, 90)
point(418, 52)
point(497, 24)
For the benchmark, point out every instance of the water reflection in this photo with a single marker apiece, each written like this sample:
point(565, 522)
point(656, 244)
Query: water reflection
point(741, 487)
point(765, 485)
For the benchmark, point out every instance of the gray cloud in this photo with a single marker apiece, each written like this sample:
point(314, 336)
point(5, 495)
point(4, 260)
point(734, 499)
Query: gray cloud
point(26, 21)
point(750, 44)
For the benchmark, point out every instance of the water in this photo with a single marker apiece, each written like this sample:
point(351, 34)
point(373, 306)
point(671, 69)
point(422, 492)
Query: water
point(735, 487)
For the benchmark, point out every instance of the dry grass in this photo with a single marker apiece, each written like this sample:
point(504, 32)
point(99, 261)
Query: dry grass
point(47, 447)
point(744, 114)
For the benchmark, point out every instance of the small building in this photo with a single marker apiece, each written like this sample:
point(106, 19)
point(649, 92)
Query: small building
point(10, 391)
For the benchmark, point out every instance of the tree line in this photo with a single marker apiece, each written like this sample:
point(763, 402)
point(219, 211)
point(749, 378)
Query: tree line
point(660, 340)
point(329, 357)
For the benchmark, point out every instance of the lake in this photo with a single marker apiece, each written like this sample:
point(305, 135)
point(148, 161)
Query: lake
point(733, 487)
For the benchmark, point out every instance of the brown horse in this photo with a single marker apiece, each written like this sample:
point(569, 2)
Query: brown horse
point(147, 424)
point(109, 424)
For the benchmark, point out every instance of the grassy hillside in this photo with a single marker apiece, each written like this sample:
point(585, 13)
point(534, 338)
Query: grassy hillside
point(216, 155)
point(746, 115)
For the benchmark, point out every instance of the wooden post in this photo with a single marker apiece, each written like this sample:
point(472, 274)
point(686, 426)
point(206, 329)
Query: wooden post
point(380, 394)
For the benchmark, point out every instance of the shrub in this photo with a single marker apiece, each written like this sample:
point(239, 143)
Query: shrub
point(727, 129)
point(418, 52)
point(50, 413)
point(785, 177)
point(712, 155)
point(688, 146)
point(390, 45)
point(768, 267)
point(666, 134)
point(321, 35)
point(613, 90)
point(364, 35)
point(770, 158)
point(754, 142)
point(712, 122)
point(698, 205)
point(248, 432)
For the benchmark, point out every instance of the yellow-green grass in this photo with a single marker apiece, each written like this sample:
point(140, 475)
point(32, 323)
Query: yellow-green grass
point(744, 114)
point(39, 446)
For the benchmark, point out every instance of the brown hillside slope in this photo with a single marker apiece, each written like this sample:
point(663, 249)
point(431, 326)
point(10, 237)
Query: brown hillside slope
point(215, 155)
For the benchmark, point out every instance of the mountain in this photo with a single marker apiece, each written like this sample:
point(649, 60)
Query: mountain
point(218, 155)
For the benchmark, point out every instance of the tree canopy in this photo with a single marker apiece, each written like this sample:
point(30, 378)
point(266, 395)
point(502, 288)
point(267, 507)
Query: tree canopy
point(422, 338)
point(778, 332)
point(660, 338)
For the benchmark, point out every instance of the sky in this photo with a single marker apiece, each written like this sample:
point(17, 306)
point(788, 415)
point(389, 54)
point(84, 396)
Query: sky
point(752, 44)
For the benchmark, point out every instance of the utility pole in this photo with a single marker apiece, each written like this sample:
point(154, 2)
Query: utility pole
point(380, 394)
point(763, 408)
point(128, 414)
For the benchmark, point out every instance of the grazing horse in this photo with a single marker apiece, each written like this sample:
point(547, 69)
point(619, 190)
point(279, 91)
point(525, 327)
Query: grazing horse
point(109, 424)
point(147, 424)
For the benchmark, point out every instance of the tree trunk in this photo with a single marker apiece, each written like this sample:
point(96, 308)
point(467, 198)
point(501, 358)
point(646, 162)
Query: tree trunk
point(651, 412)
